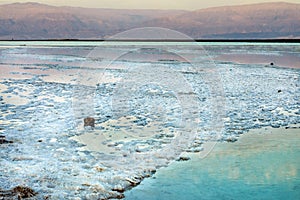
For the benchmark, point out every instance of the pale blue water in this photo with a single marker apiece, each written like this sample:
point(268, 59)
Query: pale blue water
point(267, 169)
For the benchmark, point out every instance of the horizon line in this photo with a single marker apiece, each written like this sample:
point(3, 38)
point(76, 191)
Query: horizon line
point(261, 40)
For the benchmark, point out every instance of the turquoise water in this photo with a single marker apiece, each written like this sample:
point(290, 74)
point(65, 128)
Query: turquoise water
point(257, 167)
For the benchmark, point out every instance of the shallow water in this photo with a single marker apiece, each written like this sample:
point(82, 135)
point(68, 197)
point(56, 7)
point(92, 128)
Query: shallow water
point(290, 60)
point(263, 164)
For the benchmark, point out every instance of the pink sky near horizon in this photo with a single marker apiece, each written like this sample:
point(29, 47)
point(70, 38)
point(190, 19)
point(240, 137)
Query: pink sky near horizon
point(154, 4)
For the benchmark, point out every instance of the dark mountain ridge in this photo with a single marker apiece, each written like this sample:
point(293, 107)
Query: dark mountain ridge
point(39, 21)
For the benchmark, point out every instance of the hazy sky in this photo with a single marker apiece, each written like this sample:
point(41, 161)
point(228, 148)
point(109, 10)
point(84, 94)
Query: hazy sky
point(147, 4)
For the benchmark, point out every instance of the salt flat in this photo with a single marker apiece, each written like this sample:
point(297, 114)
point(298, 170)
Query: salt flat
point(151, 104)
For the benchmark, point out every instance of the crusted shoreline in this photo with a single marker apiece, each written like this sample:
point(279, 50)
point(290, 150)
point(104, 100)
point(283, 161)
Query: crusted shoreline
point(45, 147)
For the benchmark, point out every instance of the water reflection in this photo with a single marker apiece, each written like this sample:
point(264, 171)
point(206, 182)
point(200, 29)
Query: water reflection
point(257, 166)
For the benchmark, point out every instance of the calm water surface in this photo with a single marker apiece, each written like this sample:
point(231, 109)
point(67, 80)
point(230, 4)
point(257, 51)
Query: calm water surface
point(258, 166)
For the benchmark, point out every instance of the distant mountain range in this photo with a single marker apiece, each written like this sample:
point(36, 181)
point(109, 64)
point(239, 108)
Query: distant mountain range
point(39, 21)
